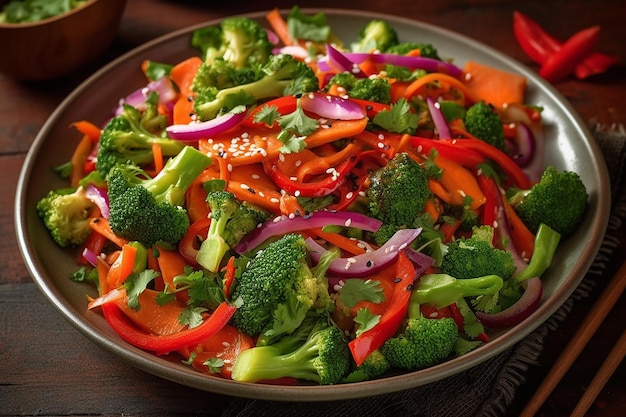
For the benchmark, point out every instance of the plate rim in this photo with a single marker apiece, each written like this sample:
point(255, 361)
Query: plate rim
point(167, 370)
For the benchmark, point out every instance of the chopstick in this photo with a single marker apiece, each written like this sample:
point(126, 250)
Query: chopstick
point(592, 321)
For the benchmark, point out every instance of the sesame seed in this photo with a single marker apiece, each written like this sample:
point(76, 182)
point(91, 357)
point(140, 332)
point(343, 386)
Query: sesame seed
point(348, 222)
point(256, 176)
point(349, 195)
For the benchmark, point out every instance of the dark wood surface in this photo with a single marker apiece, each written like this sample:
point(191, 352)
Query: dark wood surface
point(48, 368)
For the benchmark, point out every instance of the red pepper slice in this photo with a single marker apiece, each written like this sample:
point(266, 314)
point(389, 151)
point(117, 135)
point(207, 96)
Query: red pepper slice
point(539, 45)
point(187, 246)
point(165, 344)
point(490, 208)
point(464, 157)
point(284, 105)
point(562, 63)
point(508, 165)
point(364, 344)
point(319, 188)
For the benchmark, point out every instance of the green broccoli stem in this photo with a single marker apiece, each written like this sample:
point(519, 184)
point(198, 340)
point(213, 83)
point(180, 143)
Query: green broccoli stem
point(442, 289)
point(271, 362)
point(546, 242)
point(179, 172)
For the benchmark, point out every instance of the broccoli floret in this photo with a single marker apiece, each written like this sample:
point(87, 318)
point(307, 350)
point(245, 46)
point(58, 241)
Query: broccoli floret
point(223, 74)
point(376, 35)
point(239, 40)
point(476, 256)
point(484, 123)
point(282, 75)
point(128, 138)
point(559, 200)
point(147, 209)
point(324, 357)
point(278, 278)
point(426, 49)
point(422, 342)
point(230, 221)
point(372, 367)
point(65, 213)
point(372, 89)
point(398, 191)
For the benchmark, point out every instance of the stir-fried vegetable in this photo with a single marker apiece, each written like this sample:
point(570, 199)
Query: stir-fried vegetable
point(316, 211)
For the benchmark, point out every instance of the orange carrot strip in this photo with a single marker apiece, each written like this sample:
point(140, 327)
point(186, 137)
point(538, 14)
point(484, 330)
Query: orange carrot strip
point(342, 242)
point(78, 160)
point(157, 154)
point(122, 267)
point(279, 26)
point(152, 317)
point(89, 129)
point(459, 182)
point(523, 238)
point(182, 74)
point(101, 225)
point(171, 264)
point(493, 85)
point(446, 79)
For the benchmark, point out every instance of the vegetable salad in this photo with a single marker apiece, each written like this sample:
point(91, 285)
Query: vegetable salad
point(288, 206)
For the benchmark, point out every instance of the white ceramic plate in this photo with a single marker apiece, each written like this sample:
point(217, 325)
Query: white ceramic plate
point(568, 146)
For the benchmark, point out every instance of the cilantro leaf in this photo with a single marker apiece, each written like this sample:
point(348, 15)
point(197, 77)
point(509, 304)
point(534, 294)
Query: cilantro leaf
point(214, 364)
point(292, 143)
point(136, 283)
point(191, 316)
point(297, 122)
point(355, 290)
point(203, 289)
point(267, 114)
point(365, 320)
point(398, 119)
point(312, 28)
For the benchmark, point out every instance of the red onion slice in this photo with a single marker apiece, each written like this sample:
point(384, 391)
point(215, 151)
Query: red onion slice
point(163, 86)
point(195, 131)
point(90, 256)
point(413, 62)
point(368, 263)
point(100, 198)
point(296, 51)
point(284, 224)
point(339, 61)
point(332, 107)
point(518, 312)
point(441, 126)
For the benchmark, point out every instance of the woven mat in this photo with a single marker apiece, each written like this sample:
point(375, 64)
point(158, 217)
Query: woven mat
point(487, 389)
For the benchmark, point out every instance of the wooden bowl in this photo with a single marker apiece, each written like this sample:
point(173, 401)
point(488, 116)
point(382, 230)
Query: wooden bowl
point(57, 46)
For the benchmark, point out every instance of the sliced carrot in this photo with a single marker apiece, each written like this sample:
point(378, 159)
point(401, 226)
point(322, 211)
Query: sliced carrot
point(102, 226)
point(171, 264)
point(182, 74)
point(279, 26)
point(523, 238)
point(346, 244)
point(123, 266)
point(416, 86)
point(151, 317)
point(157, 154)
point(338, 129)
point(289, 205)
point(88, 129)
point(195, 201)
point(494, 85)
point(459, 182)
point(102, 268)
point(80, 154)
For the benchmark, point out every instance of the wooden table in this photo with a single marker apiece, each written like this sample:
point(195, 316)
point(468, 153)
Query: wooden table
point(48, 368)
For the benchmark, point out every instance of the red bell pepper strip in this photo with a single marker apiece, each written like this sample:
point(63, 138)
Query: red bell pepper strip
point(465, 157)
point(364, 344)
point(562, 63)
point(284, 105)
point(539, 45)
point(508, 165)
point(319, 188)
point(490, 208)
point(165, 344)
point(188, 247)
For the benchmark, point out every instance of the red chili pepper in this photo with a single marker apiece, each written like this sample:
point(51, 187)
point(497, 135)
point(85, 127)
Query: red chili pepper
point(165, 344)
point(364, 344)
point(539, 45)
point(562, 63)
